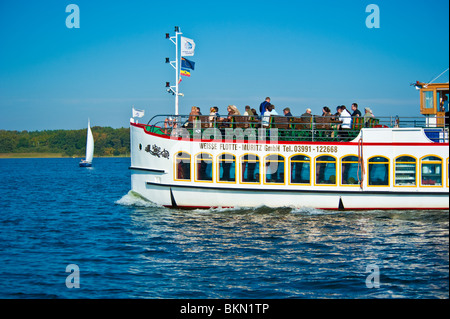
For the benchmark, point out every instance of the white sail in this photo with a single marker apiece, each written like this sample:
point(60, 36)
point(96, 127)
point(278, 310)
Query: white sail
point(89, 144)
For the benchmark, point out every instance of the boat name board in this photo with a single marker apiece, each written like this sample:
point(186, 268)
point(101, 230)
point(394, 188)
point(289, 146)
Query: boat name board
point(269, 148)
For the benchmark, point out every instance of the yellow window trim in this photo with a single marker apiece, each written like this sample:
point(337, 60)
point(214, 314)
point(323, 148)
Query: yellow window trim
point(341, 160)
point(415, 169)
point(205, 160)
point(335, 169)
point(176, 169)
point(440, 162)
point(226, 160)
point(298, 161)
point(375, 163)
point(241, 160)
point(276, 161)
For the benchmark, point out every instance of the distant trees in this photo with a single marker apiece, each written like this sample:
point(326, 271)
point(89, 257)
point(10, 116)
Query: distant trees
point(108, 141)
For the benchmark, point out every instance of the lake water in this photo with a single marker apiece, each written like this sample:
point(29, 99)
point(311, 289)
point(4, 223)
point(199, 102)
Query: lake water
point(55, 214)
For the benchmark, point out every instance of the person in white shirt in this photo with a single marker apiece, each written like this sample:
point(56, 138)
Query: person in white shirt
point(345, 117)
point(272, 111)
point(346, 121)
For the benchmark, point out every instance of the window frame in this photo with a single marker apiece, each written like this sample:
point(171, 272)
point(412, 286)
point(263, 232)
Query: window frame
point(278, 161)
point(175, 176)
point(297, 161)
point(241, 161)
point(415, 170)
point(378, 163)
point(441, 162)
point(341, 162)
point(219, 161)
point(196, 171)
point(335, 169)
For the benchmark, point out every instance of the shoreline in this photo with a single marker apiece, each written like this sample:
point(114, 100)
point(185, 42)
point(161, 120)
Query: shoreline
point(49, 155)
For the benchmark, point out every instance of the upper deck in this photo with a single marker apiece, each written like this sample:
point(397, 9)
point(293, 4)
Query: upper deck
point(294, 129)
point(312, 128)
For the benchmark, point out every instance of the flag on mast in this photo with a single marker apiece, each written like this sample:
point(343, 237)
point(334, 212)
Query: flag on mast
point(185, 72)
point(188, 64)
point(187, 47)
point(138, 113)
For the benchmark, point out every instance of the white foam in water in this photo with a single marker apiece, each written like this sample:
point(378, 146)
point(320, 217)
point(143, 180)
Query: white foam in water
point(136, 200)
point(311, 211)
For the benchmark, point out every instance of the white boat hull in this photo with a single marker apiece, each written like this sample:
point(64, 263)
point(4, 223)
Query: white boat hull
point(190, 197)
point(153, 176)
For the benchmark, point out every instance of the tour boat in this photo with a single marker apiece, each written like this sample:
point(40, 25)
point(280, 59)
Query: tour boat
point(183, 161)
point(87, 162)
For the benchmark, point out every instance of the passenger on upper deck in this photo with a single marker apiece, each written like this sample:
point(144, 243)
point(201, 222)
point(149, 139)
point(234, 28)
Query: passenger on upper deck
point(367, 115)
point(287, 112)
point(263, 106)
point(213, 115)
point(307, 115)
point(272, 111)
point(248, 111)
point(346, 120)
point(326, 112)
point(266, 115)
point(232, 110)
point(345, 117)
point(193, 114)
point(326, 120)
point(355, 110)
point(255, 114)
point(169, 123)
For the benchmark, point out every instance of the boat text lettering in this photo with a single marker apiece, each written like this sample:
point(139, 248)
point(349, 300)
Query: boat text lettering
point(315, 148)
point(208, 146)
point(270, 148)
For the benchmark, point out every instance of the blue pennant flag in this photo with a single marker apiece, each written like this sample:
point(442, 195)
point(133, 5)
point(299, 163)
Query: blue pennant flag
point(185, 63)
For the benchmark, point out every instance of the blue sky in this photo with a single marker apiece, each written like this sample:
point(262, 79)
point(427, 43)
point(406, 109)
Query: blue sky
point(300, 53)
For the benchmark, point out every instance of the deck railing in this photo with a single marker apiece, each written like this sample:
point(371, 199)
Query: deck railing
point(284, 128)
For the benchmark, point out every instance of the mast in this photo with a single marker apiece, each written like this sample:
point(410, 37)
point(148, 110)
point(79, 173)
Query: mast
point(176, 65)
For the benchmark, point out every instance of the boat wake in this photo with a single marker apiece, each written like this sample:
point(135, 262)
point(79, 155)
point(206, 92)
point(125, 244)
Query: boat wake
point(268, 210)
point(135, 200)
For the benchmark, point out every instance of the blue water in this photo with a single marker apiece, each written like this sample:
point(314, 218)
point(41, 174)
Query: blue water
point(54, 214)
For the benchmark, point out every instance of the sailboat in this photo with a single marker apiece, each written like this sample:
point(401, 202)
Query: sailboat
point(89, 148)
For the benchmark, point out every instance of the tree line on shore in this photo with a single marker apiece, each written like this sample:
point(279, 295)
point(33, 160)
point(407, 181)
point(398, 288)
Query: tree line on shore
point(108, 141)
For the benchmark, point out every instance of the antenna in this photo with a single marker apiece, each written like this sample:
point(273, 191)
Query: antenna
point(436, 78)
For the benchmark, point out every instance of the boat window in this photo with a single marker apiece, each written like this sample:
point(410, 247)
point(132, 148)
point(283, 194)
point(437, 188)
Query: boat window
point(204, 167)
point(378, 171)
point(300, 169)
point(448, 172)
point(428, 101)
point(227, 168)
point(431, 171)
point(250, 172)
point(183, 166)
point(326, 170)
point(405, 171)
point(443, 100)
point(351, 170)
point(274, 169)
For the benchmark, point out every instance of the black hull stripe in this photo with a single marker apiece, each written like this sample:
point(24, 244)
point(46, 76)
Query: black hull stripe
point(147, 169)
point(339, 191)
